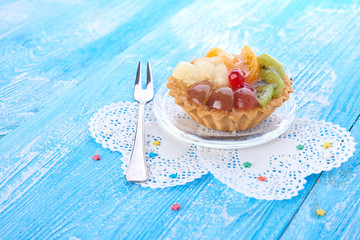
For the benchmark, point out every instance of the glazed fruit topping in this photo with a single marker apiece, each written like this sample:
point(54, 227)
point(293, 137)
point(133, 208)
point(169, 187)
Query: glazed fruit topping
point(222, 99)
point(244, 98)
point(203, 69)
point(250, 63)
point(248, 86)
point(272, 77)
point(268, 62)
point(264, 94)
point(237, 78)
point(228, 59)
point(200, 92)
point(225, 82)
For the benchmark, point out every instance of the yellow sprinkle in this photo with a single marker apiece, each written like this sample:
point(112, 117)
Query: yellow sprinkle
point(327, 145)
point(156, 143)
point(320, 212)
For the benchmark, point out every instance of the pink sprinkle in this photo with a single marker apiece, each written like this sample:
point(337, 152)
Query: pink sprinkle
point(96, 157)
point(261, 178)
point(175, 207)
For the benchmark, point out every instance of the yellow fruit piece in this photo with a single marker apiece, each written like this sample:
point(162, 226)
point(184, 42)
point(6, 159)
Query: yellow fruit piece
point(182, 69)
point(249, 63)
point(214, 52)
point(228, 59)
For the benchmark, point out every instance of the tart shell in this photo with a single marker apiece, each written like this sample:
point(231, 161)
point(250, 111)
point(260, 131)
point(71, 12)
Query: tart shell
point(235, 120)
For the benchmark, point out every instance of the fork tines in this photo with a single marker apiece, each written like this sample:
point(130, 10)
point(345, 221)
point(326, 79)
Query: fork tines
point(144, 95)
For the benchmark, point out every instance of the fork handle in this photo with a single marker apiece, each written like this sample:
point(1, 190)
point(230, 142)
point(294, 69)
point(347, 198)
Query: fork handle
point(137, 169)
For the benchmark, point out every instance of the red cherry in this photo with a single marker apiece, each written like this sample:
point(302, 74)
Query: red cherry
point(245, 98)
point(199, 92)
point(222, 99)
point(237, 78)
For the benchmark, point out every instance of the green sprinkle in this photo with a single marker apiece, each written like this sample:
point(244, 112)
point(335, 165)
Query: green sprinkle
point(152, 154)
point(173, 175)
point(247, 164)
point(300, 147)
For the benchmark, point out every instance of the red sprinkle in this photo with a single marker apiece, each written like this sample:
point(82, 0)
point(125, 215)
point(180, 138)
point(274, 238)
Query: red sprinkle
point(175, 207)
point(96, 157)
point(261, 178)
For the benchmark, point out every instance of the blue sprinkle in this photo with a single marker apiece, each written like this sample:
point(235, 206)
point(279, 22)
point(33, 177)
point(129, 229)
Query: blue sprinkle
point(152, 154)
point(174, 175)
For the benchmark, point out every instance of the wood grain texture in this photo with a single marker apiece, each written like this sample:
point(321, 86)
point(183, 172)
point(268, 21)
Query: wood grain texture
point(49, 186)
point(57, 51)
point(337, 192)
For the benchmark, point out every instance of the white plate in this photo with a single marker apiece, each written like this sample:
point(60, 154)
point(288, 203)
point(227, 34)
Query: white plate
point(177, 122)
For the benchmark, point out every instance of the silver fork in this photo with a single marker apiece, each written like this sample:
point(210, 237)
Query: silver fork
point(137, 169)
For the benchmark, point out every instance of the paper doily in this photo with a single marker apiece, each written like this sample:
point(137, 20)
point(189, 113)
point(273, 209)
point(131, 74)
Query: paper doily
point(175, 162)
point(114, 127)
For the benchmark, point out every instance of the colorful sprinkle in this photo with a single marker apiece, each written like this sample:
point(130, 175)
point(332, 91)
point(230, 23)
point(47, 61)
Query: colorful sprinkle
point(261, 178)
point(173, 175)
point(156, 143)
point(175, 207)
point(247, 164)
point(320, 212)
point(96, 157)
point(300, 147)
point(152, 154)
point(327, 145)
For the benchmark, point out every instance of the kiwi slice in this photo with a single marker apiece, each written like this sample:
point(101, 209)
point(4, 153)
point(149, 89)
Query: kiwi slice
point(272, 77)
point(264, 94)
point(268, 62)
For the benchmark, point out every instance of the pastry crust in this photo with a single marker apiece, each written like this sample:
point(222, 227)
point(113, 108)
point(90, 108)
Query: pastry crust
point(237, 119)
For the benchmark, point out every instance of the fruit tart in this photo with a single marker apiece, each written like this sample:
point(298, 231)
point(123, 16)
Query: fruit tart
point(230, 92)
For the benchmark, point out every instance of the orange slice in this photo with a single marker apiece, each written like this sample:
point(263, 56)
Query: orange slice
point(249, 63)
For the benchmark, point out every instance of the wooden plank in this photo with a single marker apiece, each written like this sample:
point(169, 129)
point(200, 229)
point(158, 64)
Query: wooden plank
point(337, 192)
point(54, 51)
point(49, 186)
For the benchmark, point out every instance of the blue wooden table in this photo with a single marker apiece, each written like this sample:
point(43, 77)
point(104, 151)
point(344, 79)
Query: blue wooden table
point(60, 61)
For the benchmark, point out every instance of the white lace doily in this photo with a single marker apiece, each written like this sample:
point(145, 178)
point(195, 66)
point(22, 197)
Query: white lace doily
point(278, 162)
